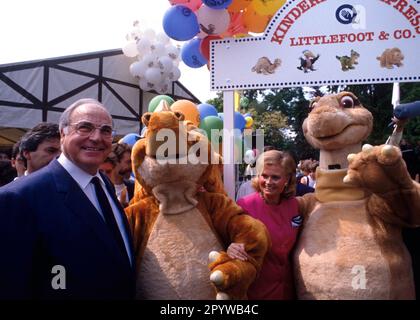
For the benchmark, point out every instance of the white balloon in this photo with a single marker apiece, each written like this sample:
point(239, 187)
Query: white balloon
point(150, 60)
point(134, 34)
point(141, 68)
point(158, 49)
point(163, 87)
point(161, 37)
point(172, 52)
point(130, 49)
point(143, 84)
point(135, 69)
point(149, 34)
point(165, 64)
point(153, 75)
point(143, 45)
point(213, 21)
point(174, 74)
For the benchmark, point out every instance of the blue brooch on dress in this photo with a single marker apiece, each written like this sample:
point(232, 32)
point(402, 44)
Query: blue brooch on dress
point(297, 221)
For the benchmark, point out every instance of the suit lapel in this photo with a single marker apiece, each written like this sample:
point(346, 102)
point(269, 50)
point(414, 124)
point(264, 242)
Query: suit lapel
point(79, 204)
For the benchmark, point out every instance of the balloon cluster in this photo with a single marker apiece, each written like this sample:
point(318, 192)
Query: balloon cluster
point(157, 61)
point(199, 21)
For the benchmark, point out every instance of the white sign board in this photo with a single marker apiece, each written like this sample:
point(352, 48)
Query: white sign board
point(324, 42)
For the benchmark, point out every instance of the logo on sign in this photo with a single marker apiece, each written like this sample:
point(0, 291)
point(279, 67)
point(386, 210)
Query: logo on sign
point(346, 14)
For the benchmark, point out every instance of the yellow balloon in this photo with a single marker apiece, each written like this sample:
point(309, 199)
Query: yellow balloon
point(189, 109)
point(254, 22)
point(267, 7)
point(249, 122)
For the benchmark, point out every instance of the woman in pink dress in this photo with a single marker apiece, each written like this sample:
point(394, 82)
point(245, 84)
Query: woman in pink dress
point(275, 205)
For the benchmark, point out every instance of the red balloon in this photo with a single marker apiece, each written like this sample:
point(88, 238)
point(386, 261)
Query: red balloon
point(191, 4)
point(205, 46)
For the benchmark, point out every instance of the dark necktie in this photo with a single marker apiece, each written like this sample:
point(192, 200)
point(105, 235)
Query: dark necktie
point(108, 214)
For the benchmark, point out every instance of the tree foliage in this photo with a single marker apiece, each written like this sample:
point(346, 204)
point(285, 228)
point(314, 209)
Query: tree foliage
point(276, 109)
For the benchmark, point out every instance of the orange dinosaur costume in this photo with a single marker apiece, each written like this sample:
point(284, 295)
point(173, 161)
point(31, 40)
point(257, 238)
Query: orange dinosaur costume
point(176, 223)
point(351, 245)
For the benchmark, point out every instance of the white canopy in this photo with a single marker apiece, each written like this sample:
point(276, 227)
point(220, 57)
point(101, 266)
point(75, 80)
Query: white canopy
point(36, 91)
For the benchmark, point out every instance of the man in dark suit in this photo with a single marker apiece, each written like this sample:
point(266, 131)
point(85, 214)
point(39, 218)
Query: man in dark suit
point(63, 234)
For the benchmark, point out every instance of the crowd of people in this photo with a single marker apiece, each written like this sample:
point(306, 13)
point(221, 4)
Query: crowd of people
point(72, 172)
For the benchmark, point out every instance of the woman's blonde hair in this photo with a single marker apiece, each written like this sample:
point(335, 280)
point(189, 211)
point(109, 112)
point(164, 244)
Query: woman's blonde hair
point(282, 159)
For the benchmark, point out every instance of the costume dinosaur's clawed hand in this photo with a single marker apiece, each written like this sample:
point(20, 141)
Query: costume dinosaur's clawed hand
point(379, 169)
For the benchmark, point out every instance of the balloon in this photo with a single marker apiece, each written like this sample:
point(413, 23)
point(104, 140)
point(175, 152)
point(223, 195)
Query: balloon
point(190, 54)
point(143, 46)
point(180, 23)
point(205, 46)
point(189, 109)
point(206, 110)
point(213, 21)
point(249, 122)
point(191, 4)
point(266, 7)
point(212, 123)
point(130, 139)
point(130, 49)
point(221, 4)
point(172, 52)
point(244, 102)
point(238, 5)
point(156, 100)
point(251, 156)
point(143, 132)
point(174, 74)
point(161, 37)
point(255, 22)
point(149, 34)
point(239, 121)
point(220, 115)
point(165, 64)
point(158, 49)
point(236, 25)
point(153, 75)
point(163, 87)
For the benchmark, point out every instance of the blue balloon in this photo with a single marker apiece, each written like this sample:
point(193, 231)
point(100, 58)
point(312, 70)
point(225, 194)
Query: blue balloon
point(239, 121)
point(191, 55)
point(180, 23)
point(217, 4)
point(130, 139)
point(206, 110)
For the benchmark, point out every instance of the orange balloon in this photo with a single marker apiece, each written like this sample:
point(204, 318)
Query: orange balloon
point(266, 7)
point(238, 5)
point(254, 22)
point(189, 109)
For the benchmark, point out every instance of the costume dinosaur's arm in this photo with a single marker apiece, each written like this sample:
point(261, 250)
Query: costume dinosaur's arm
point(232, 277)
point(382, 171)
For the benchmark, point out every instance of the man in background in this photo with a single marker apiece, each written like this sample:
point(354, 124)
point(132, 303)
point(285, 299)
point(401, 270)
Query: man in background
point(39, 146)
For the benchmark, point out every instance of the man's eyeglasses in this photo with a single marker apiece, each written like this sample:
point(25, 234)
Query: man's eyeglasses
point(86, 128)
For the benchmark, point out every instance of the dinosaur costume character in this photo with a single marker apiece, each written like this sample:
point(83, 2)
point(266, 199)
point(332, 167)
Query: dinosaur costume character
point(182, 214)
point(351, 245)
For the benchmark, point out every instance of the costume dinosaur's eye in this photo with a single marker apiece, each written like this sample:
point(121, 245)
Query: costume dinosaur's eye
point(347, 102)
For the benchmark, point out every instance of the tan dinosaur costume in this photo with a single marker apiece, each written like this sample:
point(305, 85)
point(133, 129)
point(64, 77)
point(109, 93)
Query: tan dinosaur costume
point(176, 223)
point(351, 245)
